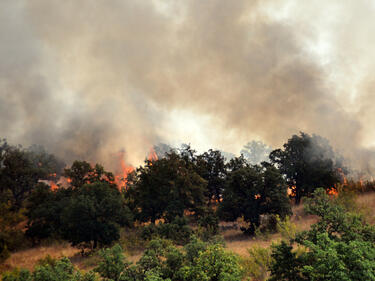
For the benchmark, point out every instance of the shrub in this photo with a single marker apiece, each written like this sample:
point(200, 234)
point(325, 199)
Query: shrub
point(286, 228)
point(178, 231)
point(257, 264)
point(340, 246)
point(214, 264)
point(62, 270)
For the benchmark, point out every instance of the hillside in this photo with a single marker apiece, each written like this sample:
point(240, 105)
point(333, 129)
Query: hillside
point(235, 240)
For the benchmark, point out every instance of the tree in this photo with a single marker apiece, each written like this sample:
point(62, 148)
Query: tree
point(21, 170)
point(211, 167)
point(251, 191)
point(44, 209)
point(256, 152)
point(165, 189)
point(340, 246)
point(94, 214)
point(81, 172)
point(308, 162)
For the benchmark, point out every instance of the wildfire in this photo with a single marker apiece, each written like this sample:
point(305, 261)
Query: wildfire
point(332, 191)
point(125, 170)
point(152, 156)
point(290, 191)
point(53, 185)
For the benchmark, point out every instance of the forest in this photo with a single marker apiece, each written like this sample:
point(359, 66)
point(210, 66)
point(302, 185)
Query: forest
point(298, 206)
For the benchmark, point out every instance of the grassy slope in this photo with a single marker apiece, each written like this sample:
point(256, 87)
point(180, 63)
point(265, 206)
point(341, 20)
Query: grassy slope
point(235, 241)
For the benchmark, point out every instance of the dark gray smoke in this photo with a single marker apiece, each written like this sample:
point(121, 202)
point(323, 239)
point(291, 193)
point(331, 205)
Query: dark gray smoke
point(87, 79)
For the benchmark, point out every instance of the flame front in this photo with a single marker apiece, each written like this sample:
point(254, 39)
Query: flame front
point(125, 170)
point(152, 156)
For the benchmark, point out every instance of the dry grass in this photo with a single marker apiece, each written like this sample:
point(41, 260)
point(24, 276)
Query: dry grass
point(239, 243)
point(235, 240)
point(29, 257)
point(366, 202)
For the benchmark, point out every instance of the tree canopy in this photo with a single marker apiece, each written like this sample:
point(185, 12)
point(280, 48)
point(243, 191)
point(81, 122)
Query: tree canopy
point(166, 188)
point(308, 162)
point(251, 191)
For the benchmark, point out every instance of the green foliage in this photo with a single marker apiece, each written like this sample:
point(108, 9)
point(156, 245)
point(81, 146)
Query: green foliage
point(11, 237)
point(48, 260)
point(17, 275)
point(21, 169)
point(286, 228)
point(163, 261)
point(213, 264)
point(94, 214)
point(257, 264)
point(252, 191)
point(308, 162)
point(340, 246)
point(211, 167)
point(44, 208)
point(62, 270)
point(165, 189)
point(208, 226)
point(178, 231)
point(286, 265)
point(112, 264)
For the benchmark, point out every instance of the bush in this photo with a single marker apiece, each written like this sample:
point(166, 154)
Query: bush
point(340, 246)
point(286, 228)
point(178, 231)
point(163, 261)
point(208, 226)
point(62, 270)
point(112, 264)
point(213, 264)
point(257, 264)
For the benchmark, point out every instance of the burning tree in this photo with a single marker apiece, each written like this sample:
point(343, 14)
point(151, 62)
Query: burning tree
point(308, 162)
point(165, 188)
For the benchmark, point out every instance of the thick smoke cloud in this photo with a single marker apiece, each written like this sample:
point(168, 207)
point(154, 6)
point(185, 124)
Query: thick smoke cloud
point(87, 79)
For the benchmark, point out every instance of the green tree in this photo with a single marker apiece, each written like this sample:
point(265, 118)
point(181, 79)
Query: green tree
point(213, 264)
point(43, 210)
point(211, 167)
point(308, 162)
point(165, 189)
point(251, 191)
point(94, 214)
point(22, 169)
point(340, 246)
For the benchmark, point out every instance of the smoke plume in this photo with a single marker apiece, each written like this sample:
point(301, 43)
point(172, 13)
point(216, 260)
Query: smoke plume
point(86, 79)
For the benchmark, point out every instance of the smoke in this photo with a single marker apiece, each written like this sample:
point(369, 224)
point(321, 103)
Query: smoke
point(87, 79)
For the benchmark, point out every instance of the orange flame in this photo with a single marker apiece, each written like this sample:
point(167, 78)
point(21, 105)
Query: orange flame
point(332, 191)
point(53, 185)
point(152, 156)
point(125, 170)
point(290, 191)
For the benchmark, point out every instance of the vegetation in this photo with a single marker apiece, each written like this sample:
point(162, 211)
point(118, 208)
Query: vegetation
point(340, 246)
point(308, 162)
point(252, 191)
point(171, 209)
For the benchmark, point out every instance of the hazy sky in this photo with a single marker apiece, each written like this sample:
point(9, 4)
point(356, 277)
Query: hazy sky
point(89, 78)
